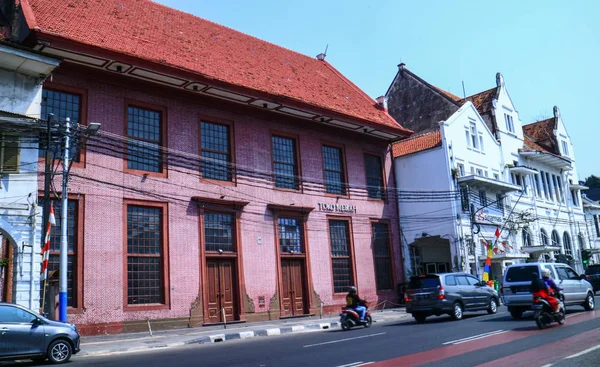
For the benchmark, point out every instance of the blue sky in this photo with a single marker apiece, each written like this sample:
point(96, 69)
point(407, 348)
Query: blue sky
point(548, 51)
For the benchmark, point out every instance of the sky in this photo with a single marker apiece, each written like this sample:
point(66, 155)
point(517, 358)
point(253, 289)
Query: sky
point(548, 51)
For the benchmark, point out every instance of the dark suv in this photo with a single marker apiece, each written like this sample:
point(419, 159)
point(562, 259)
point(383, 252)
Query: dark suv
point(593, 273)
point(448, 293)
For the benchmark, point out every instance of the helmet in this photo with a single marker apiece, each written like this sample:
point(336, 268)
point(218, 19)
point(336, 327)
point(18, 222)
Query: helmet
point(545, 273)
point(352, 289)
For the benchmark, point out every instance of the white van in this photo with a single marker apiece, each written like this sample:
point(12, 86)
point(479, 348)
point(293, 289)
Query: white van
point(515, 293)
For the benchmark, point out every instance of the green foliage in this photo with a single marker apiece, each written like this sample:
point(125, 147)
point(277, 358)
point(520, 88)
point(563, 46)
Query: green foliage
point(593, 182)
point(4, 262)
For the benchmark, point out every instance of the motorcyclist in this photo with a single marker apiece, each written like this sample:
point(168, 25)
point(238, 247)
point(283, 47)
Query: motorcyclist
point(540, 289)
point(554, 289)
point(353, 301)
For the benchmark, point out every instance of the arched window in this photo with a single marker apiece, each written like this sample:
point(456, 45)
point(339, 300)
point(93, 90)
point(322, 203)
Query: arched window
point(555, 242)
point(526, 237)
point(555, 239)
point(581, 240)
point(567, 244)
point(544, 236)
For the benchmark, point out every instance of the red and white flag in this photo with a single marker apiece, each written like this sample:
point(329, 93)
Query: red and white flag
point(46, 250)
point(497, 232)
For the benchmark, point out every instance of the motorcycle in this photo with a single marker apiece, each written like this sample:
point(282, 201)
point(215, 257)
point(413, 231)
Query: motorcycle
point(544, 315)
point(350, 318)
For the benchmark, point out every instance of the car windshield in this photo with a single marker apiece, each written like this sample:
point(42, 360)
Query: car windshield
point(593, 270)
point(430, 281)
point(521, 273)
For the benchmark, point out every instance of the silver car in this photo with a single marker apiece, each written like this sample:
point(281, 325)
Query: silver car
point(24, 334)
point(516, 293)
point(448, 293)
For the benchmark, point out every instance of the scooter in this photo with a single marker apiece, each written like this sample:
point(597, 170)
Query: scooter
point(544, 315)
point(350, 318)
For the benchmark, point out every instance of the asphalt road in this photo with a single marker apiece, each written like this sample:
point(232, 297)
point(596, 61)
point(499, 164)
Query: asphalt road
point(478, 340)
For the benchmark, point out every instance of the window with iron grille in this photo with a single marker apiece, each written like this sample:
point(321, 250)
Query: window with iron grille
point(597, 224)
point(341, 257)
point(219, 232)
point(216, 151)
point(145, 279)
point(483, 198)
point(464, 198)
point(285, 163)
point(62, 105)
point(545, 239)
point(144, 139)
point(290, 235)
point(333, 168)
point(72, 246)
point(381, 253)
point(375, 188)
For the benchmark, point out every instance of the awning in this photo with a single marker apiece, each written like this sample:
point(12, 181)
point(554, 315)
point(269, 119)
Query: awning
point(540, 249)
point(505, 256)
point(578, 187)
point(548, 159)
point(488, 184)
point(522, 170)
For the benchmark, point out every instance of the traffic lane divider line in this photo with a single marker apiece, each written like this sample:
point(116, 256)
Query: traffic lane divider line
point(583, 352)
point(342, 340)
point(457, 341)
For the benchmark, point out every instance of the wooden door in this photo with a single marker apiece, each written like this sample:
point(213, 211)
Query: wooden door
point(221, 290)
point(292, 287)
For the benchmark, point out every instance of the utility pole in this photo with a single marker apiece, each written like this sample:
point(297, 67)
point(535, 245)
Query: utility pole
point(46, 207)
point(62, 296)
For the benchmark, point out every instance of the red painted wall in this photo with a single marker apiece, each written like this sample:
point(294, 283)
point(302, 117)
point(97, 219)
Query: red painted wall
point(103, 272)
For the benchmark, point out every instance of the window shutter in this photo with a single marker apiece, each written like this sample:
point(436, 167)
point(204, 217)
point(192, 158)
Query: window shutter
point(10, 156)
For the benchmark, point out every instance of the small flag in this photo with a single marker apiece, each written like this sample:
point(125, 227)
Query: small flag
point(46, 250)
point(497, 232)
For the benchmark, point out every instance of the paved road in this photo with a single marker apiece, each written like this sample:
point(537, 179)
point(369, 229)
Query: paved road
point(480, 340)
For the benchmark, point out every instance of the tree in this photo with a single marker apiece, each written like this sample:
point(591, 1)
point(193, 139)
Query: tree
point(593, 182)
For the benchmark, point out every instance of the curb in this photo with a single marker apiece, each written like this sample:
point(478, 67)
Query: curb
point(263, 332)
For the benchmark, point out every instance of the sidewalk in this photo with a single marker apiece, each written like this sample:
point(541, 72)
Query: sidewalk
point(136, 342)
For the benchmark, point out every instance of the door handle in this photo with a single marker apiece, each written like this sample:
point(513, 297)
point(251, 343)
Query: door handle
point(4, 330)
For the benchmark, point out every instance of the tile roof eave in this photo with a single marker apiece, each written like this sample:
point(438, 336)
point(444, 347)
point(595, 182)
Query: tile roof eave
point(399, 129)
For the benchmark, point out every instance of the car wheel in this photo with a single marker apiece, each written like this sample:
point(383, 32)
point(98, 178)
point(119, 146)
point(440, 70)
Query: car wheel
point(516, 313)
point(493, 306)
point(457, 311)
point(589, 303)
point(59, 351)
point(419, 318)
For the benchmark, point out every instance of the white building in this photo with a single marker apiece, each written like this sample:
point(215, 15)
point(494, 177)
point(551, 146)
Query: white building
point(21, 76)
point(472, 168)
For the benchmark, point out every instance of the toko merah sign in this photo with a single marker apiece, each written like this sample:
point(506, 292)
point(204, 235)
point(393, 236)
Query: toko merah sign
point(341, 208)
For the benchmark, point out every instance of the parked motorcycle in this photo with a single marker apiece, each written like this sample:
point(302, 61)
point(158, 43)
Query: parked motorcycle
point(544, 315)
point(350, 318)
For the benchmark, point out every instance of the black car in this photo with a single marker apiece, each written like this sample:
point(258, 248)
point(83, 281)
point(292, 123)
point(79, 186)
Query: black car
point(593, 273)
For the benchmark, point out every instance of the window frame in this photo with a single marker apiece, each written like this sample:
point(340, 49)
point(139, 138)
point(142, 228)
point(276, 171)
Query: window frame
point(345, 184)
point(79, 282)
point(390, 257)
point(565, 147)
point(298, 166)
point(83, 114)
point(352, 254)
point(3, 142)
point(567, 243)
point(509, 123)
point(383, 176)
point(231, 135)
point(164, 261)
point(162, 146)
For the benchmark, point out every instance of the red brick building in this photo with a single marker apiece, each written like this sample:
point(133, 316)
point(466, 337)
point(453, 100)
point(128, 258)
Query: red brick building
point(232, 178)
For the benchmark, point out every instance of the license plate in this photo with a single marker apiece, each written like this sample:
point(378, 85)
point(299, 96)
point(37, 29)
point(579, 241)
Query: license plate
point(421, 297)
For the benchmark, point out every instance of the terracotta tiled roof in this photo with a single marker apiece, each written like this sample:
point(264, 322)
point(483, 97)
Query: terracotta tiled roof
point(154, 32)
point(541, 133)
point(447, 94)
point(483, 100)
point(418, 143)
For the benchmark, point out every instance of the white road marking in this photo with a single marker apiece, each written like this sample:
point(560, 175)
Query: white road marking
point(355, 364)
point(584, 352)
point(547, 365)
point(342, 340)
point(475, 337)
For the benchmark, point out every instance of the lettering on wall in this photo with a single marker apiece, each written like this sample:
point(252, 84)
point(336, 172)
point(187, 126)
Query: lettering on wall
point(341, 208)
